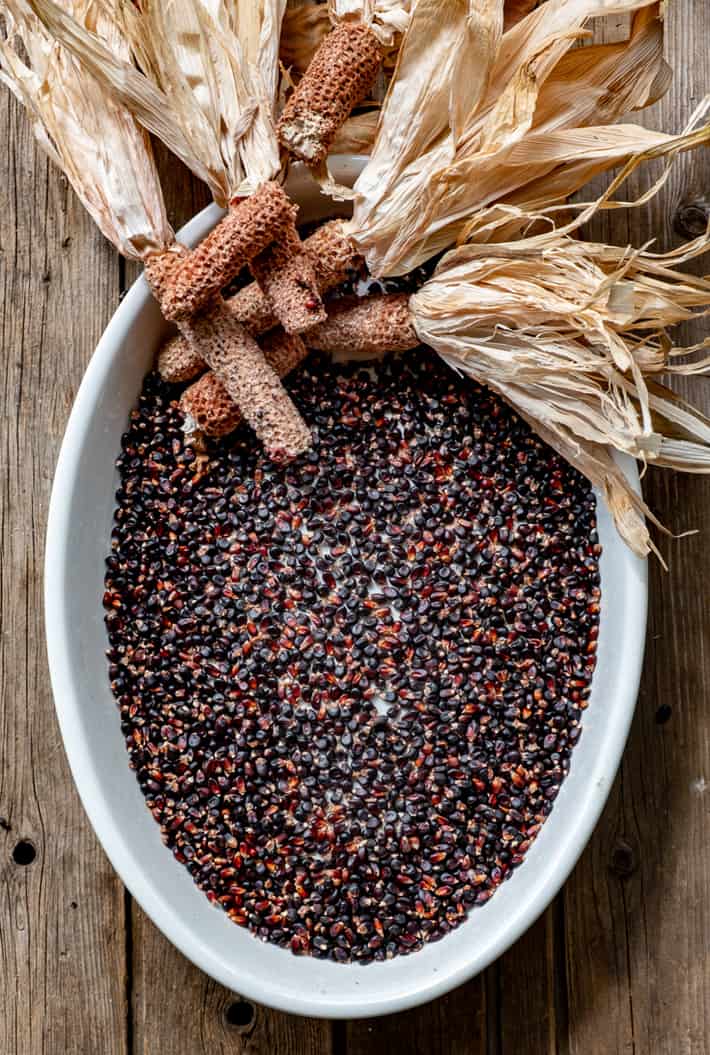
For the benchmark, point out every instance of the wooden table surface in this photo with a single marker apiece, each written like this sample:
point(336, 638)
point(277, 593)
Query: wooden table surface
point(618, 964)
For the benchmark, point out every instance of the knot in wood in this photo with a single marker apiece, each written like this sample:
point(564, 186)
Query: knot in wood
point(691, 218)
point(623, 859)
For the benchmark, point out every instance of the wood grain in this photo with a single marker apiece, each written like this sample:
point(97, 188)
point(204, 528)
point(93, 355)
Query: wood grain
point(453, 1025)
point(178, 1009)
point(532, 1001)
point(62, 937)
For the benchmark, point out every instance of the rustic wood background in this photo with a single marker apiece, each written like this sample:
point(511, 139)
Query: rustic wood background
point(618, 964)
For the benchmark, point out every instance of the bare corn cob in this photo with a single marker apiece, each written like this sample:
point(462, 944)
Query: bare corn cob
point(198, 309)
point(207, 403)
point(367, 326)
point(259, 230)
point(215, 337)
point(340, 75)
point(207, 407)
point(286, 275)
point(238, 363)
point(283, 351)
point(253, 309)
point(333, 256)
point(186, 281)
point(179, 361)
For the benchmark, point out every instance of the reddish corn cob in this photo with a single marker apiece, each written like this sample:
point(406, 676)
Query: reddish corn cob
point(208, 407)
point(340, 75)
point(207, 402)
point(333, 253)
point(283, 351)
point(179, 361)
point(366, 326)
point(216, 339)
point(185, 281)
point(187, 286)
point(369, 326)
point(251, 307)
point(286, 275)
point(238, 363)
point(260, 231)
point(333, 257)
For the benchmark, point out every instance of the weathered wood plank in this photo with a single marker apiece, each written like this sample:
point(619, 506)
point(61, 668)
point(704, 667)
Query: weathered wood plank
point(453, 1025)
point(178, 1009)
point(532, 1005)
point(638, 921)
point(62, 939)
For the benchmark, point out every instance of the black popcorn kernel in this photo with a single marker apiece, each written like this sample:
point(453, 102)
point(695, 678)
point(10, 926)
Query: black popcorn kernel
point(350, 686)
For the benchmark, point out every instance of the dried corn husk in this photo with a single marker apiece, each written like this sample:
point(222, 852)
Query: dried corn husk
point(216, 336)
point(104, 154)
point(537, 205)
point(303, 29)
point(573, 335)
point(387, 19)
point(210, 81)
point(517, 9)
point(514, 118)
point(357, 135)
point(231, 70)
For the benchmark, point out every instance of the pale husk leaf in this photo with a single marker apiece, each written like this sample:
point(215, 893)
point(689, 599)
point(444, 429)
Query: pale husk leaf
point(104, 154)
point(217, 63)
point(571, 334)
point(257, 27)
point(388, 19)
point(537, 204)
point(303, 30)
point(357, 134)
point(129, 86)
point(534, 114)
point(209, 83)
point(426, 105)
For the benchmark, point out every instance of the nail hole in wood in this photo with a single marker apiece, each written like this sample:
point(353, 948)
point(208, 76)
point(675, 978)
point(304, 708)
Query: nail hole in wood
point(691, 218)
point(240, 1013)
point(664, 713)
point(623, 860)
point(74, 904)
point(24, 853)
